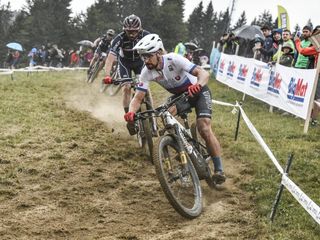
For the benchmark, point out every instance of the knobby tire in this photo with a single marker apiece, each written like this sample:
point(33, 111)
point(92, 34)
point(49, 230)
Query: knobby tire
point(161, 148)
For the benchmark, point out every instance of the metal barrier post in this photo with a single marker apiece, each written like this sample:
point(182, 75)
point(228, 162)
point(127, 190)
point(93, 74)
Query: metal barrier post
point(279, 193)
point(238, 124)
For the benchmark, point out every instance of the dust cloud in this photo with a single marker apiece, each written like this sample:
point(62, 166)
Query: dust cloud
point(100, 105)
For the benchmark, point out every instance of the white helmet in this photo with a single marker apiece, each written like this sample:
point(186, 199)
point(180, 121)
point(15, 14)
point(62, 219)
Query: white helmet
point(149, 44)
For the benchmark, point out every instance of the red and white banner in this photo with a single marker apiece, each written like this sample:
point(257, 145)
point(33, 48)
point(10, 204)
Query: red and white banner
point(283, 87)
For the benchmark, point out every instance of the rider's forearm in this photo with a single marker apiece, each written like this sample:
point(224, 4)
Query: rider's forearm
point(134, 105)
point(109, 62)
point(136, 101)
point(203, 77)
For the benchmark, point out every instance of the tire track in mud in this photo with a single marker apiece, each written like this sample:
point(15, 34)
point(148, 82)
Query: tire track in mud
point(140, 209)
point(89, 180)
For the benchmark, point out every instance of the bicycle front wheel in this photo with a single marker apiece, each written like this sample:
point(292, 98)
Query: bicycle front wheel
point(93, 72)
point(180, 183)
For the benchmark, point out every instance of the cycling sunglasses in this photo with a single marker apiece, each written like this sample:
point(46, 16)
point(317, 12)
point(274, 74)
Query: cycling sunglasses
point(146, 56)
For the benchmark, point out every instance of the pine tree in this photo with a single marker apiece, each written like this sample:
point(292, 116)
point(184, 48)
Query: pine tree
point(222, 24)
point(170, 26)
point(241, 21)
point(46, 21)
point(209, 28)
point(150, 19)
point(195, 22)
point(101, 16)
point(265, 19)
point(254, 22)
point(5, 22)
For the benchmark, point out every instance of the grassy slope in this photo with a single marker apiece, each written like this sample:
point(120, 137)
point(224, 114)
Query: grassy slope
point(33, 110)
point(283, 135)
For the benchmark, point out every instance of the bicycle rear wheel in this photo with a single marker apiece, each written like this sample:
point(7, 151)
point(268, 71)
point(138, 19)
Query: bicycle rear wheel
point(180, 183)
point(203, 151)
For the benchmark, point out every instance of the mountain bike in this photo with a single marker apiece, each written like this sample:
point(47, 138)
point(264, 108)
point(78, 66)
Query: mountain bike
point(96, 67)
point(181, 159)
point(113, 89)
point(146, 128)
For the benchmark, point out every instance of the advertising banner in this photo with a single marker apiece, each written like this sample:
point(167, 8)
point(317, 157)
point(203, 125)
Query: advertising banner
point(286, 88)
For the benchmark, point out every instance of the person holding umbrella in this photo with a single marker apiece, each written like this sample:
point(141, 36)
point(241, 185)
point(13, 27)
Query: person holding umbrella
point(13, 58)
point(16, 59)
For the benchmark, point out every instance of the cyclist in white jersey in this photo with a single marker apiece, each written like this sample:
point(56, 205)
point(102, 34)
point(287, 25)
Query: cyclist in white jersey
point(178, 75)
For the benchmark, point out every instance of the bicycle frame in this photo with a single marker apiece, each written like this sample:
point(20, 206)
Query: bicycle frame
point(186, 143)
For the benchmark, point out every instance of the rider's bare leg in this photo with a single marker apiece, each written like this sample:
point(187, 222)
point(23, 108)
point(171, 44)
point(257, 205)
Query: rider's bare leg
point(213, 146)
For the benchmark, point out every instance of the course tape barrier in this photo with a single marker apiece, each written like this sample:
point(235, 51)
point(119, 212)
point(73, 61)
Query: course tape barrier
point(311, 207)
point(39, 69)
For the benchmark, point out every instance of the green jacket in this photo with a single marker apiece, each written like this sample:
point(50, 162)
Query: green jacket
point(302, 61)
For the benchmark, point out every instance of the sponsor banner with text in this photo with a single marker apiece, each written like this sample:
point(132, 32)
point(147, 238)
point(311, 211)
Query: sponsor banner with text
point(283, 87)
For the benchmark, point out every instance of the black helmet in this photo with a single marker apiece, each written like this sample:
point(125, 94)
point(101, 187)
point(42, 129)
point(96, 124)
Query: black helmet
point(132, 22)
point(111, 32)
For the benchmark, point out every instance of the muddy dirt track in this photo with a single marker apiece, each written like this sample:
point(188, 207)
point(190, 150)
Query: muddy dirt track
point(100, 185)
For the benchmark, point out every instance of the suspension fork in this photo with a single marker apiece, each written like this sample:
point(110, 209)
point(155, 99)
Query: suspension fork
point(167, 159)
point(182, 153)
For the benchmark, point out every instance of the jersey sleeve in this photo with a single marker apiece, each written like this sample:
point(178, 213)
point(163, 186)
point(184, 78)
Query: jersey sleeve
point(144, 80)
point(115, 45)
point(183, 63)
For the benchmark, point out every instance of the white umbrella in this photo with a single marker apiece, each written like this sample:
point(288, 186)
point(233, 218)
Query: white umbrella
point(86, 43)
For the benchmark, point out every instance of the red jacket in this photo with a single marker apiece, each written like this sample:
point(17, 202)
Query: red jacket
point(308, 51)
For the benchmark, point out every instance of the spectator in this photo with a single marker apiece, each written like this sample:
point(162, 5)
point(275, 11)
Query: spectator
point(311, 51)
point(32, 57)
point(258, 43)
point(88, 57)
point(286, 58)
point(16, 59)
point(277, 40)
point(180, 49)
point(302, 61)
point(267, 45)
point(229, 43)
point(286, 38)
point(42, 55)
point(74, 58)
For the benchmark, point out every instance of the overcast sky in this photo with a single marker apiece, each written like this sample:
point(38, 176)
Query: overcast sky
point(299, 10)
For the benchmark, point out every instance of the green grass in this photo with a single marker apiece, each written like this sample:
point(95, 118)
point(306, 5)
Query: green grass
point(283, 135)
point(33, 111)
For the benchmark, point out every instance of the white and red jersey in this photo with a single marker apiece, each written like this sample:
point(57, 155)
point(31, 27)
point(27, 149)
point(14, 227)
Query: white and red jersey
point(175, 75)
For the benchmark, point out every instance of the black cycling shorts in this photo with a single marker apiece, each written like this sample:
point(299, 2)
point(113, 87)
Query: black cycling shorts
point(201, 102)
point(127, 66)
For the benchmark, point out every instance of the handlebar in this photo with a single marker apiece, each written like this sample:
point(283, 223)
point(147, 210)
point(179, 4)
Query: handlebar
point(162, 108)
point(122, 80)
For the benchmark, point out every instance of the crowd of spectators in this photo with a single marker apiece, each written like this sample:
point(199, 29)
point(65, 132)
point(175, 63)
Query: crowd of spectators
point(296, 51)
point(50, 56)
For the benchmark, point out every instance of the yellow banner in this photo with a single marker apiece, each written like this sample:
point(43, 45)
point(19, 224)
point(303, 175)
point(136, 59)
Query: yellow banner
point(283, 18)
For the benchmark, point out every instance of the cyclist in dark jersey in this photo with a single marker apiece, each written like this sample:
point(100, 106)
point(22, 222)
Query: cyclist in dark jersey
point(128, 59)
point(102, 45)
